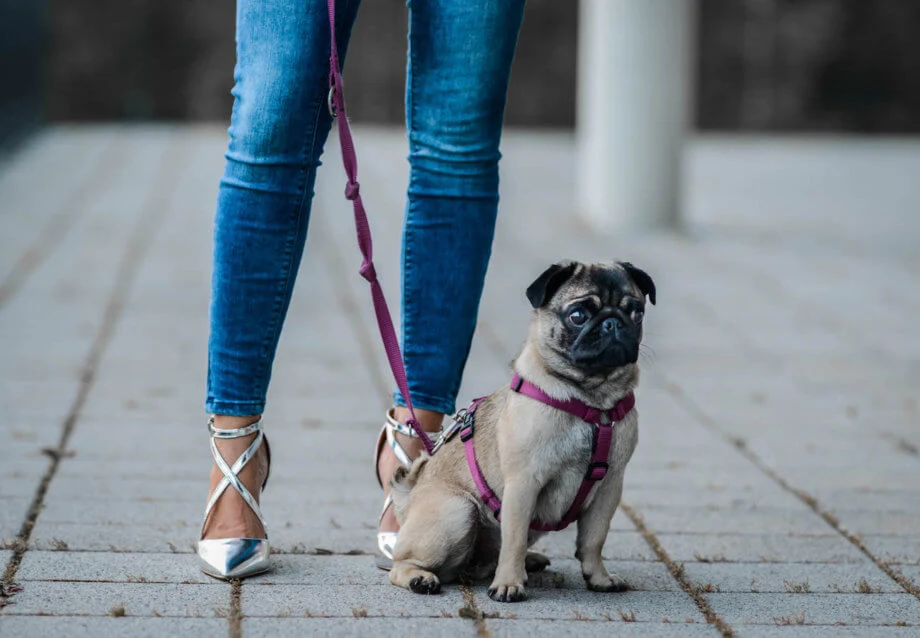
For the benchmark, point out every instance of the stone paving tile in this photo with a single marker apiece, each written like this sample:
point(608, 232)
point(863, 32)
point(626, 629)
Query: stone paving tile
point(502, 628)
point(824, 631)
point(911, 571)
point(710, 476)
point(643, 496)
point(789, 577)
point(12, 514)
point(851, 477)
point(821, 609)
point(882, 523)
point(28, 434)
point(20, 482)
point(181, 537)
point(119, 511)
point(905, 549)
point(760, 548)
point(571, 604)
point(347, 601)
point(116, 538)
point(96, 627)
point(285, 497)
point(843, 500)
point(109, 567)
point(138, 599)
point(325, 571)
point(134, 488)
point(357, 627)
point(762, 520)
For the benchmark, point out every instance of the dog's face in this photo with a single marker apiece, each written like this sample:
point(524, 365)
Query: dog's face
point(588, 317)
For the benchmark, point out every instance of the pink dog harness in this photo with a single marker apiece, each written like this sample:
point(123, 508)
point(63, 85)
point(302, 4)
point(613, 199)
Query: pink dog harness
point(603, 422)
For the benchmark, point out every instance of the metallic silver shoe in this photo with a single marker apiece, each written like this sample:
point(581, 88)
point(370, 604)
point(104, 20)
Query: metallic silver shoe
point(228, 558)
point(386, 541)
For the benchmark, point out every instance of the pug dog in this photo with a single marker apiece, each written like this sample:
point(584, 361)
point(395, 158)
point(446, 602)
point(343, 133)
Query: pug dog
point(582, 345)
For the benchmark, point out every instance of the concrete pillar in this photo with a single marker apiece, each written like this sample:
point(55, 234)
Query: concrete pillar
point(635, 76)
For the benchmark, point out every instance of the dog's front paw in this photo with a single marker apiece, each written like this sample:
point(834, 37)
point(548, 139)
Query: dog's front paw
point(507, 592)
point(605, 582)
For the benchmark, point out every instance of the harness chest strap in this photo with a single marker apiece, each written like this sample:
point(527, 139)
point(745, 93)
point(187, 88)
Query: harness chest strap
point(603, 422)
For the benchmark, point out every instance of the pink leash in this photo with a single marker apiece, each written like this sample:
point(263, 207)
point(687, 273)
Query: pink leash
point(353, 193)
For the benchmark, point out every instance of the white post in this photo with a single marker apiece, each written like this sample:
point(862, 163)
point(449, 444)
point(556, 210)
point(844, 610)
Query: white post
point(635, 75)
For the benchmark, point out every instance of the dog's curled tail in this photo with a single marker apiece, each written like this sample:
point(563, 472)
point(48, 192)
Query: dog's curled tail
point(405, 479)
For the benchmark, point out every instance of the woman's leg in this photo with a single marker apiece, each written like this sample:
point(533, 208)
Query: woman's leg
point(278, 127)
point(460, 54)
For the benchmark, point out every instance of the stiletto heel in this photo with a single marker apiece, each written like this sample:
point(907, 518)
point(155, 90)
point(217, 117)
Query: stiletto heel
point(228, 558)
point(386, 541)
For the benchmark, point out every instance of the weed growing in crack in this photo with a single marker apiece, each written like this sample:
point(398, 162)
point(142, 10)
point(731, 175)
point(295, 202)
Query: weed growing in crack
point(708, 588)
point(863, 587)
point(796, 588)
point(797, 618)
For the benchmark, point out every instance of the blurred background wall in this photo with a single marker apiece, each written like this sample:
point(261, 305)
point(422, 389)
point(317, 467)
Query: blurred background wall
point(763, 65)
point(23, 30)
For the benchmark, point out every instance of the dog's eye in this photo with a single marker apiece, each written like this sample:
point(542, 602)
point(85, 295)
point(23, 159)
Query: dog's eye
point(578, 317)
point(636, 315)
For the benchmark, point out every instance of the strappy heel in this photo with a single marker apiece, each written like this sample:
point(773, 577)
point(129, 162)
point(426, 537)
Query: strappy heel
point(386, 541)
point(228, 558)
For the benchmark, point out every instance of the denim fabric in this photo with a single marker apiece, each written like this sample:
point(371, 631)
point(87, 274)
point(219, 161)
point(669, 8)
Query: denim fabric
point(460, 54)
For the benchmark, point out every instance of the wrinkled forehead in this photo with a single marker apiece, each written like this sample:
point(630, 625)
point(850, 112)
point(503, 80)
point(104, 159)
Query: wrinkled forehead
point(608, 283)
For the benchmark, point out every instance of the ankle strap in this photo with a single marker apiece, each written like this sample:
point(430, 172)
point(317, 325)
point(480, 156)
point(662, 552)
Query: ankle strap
point(235, 433)
point(401, 428)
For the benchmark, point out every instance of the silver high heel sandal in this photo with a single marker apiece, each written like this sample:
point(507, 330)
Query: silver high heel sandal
point(228, 558)
point(386, 541)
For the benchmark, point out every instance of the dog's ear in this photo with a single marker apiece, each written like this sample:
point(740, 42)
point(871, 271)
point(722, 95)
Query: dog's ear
point(546, 285)
point(642, 279)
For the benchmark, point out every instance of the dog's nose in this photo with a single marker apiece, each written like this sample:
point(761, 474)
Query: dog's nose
point(611, 324)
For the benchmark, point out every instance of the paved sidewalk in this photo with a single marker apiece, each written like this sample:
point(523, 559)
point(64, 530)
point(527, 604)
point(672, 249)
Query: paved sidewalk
point(775, 490)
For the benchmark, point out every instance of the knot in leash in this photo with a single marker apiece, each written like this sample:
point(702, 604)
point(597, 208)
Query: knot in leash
point(352, 190)
point(368, 271)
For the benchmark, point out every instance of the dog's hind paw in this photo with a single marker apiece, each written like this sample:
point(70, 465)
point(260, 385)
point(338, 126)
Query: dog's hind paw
point(535, 562)
point(608, 583)
point(507, 593)
point(425, 585)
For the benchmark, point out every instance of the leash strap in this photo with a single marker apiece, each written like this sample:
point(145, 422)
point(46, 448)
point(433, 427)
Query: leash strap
point(362, 227)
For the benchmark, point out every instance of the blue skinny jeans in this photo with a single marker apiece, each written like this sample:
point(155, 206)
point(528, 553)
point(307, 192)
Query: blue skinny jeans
point(460, 54)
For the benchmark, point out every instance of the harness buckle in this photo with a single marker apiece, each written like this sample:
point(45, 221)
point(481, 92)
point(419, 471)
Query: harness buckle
point(466, 433)
point(596, 471)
